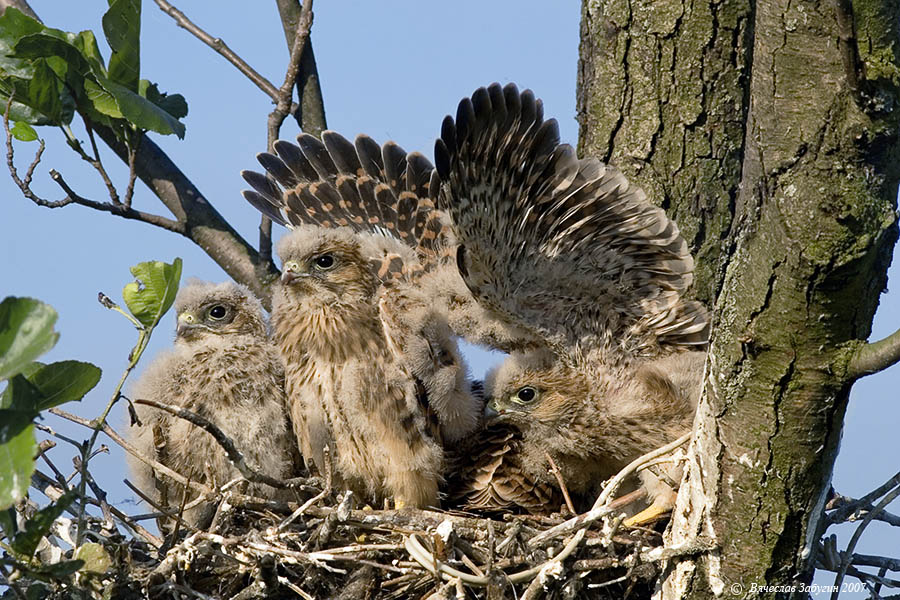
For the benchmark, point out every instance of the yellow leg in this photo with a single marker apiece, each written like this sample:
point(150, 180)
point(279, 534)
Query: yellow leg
point(648, 515)
point(399, 504)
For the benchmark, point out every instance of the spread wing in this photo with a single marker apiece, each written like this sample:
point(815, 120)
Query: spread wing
point(361, 185)
point(566, 248)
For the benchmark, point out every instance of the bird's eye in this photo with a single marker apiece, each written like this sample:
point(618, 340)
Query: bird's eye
point(525, 395)
point(324, 262)
point(217, 312)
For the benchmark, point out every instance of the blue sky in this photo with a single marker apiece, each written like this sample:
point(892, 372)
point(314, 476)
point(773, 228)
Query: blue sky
point(389, 69)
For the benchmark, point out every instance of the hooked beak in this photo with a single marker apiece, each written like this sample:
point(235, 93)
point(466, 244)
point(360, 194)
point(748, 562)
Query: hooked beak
point(490, 410)
point(185, 325)
point(289, 277)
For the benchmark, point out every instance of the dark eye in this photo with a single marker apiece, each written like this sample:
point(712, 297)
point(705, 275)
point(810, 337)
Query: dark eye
point(324, 262)
point(526, 394)
point(217, 312)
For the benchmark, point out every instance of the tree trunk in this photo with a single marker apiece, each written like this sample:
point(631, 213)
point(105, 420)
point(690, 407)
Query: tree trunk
point(773, 143)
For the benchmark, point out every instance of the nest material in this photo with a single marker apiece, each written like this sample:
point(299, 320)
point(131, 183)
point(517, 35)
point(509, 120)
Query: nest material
point(328, 549)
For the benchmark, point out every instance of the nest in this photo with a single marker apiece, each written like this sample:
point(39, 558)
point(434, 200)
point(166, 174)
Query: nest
point(326, 548)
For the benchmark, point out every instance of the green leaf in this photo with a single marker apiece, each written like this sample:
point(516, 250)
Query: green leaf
point(64, 381)
point(26, 542)
point(21, 395)
point(13, 26)
point(142, 113)
point(96, 559)
point(17, 451)
point(61, 569)
point(26, 332)
point(103, 101)
point(153, 293)
point(174, 104)
point(23, 132)
point(122, 27)
point(8, 522)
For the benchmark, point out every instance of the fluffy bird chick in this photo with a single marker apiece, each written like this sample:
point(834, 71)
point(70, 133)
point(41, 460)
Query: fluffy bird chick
point(348, 390)
point(224, 368)
point(591, 426)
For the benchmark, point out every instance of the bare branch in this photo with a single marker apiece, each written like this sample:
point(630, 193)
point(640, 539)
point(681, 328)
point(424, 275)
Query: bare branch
point(221, 47)
point(157, 466)
point(874, 357)
point(840, 515)
point(848, 553)
point(311, 112)
point(282, 109)
point(857, 511)
point(234, 455)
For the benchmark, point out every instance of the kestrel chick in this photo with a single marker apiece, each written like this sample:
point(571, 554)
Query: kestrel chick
point(224, 368)
point(590, 426)
point(569, 250)
point(346, 387)
point(375, 217)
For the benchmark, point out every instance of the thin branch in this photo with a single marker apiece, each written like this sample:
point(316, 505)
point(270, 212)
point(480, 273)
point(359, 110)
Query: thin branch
point(874, 357)
point(562, 483)
point(156, 466)
point(121, 210)
point(840, 515)
point(848, 553)
point(859, 511)
point(221, 47)
point(311, 113)
point(225, 442)
point(282, 109)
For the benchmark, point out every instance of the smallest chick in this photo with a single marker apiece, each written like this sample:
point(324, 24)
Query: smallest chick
point(224, 368)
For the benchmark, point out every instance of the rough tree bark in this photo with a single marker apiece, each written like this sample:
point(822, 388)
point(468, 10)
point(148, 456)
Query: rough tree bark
point(769, 129)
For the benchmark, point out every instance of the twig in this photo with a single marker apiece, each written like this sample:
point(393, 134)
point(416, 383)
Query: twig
point(225, 442)
point(72, 197)
point(165, 511)
point(220, 47)
point(843, 512)
point(155, 465)
point(13, 585)
point(600, 507)
point(562, 484)
point(876, 356)
point(848, 553)
point(310, 115)
point(282, 109)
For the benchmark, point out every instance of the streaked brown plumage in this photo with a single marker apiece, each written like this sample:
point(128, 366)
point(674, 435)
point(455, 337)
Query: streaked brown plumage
point(568, 250)
point(347, 389)
point(224, 368)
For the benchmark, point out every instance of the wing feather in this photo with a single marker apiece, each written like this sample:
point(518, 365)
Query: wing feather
point(566, 248)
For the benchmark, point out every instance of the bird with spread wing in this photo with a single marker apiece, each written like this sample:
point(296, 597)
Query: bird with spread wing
point(373, 373)
point(569, 251)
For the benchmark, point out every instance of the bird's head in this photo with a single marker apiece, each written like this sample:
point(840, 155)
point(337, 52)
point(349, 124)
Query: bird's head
point(206, 309)
point(322, 265)
point(534, 389)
